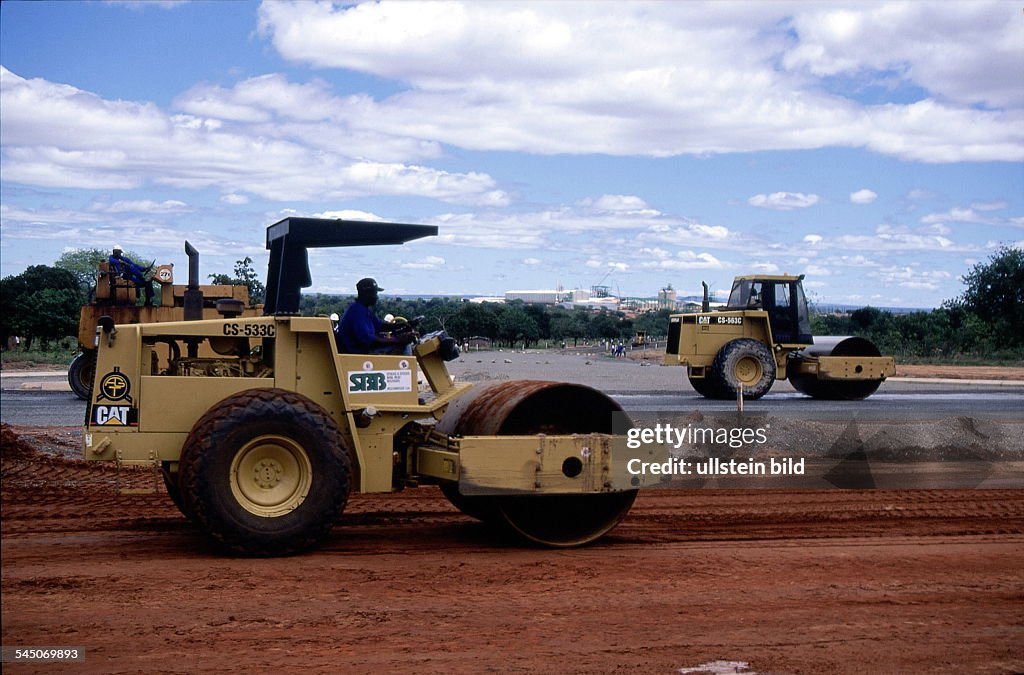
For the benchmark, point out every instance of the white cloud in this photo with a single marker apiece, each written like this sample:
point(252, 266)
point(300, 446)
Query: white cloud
point(685, 260)
point(12, 216)
point(430, 262)
point(864, 196)
point(144, 206)
point(989, 206)
point(765, 268)
point(532, 261)
point(971, 215)
point(784, 201)
point(611, 266)
point(817, 271)
point(489, 230)
point(967, 52)
point(888, 238)
point(911, 276)
point(59, 136)
point(621, 204)
point(349, 214)
point(654, 253)
point(684, 232)
point(539, 77)
point(96, 228)
point(813, 239)
point(234, 199)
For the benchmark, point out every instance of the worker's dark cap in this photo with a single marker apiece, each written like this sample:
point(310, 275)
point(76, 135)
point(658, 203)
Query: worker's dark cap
point(367, 285)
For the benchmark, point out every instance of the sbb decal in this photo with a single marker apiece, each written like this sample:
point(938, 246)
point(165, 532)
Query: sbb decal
point(380, 381)
point(367, 382)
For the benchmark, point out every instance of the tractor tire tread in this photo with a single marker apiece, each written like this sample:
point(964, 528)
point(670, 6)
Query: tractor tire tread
point(725, 385)
point(200, 452)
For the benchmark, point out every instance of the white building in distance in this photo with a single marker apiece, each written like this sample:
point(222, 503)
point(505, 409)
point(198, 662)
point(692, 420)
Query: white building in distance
point(544, 297)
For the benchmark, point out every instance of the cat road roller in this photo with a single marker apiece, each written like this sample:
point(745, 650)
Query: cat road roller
point(116, 298)
point(763, 334)
point(261, 428)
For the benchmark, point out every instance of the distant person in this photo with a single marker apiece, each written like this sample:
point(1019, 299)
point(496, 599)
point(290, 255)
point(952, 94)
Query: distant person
point(124, 267)
point(361, 332)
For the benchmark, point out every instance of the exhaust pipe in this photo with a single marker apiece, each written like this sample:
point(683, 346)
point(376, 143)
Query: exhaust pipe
point(193, 295)
point(193, 301)
point(705, 306)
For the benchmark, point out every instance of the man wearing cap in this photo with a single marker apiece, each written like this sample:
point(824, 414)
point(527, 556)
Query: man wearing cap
point(361, 332)
point(123, 266)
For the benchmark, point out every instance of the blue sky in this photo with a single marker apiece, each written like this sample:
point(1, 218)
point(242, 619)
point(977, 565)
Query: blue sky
point(876, 147)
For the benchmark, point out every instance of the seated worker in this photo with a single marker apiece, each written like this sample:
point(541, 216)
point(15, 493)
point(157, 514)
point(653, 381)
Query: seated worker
point(123, 266)
point(361, 332)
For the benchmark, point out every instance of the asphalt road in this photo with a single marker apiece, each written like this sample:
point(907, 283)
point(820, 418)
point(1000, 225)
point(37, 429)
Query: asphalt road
point(43, 400)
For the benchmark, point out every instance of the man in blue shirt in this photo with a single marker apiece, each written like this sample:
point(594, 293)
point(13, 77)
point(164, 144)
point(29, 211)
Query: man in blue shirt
point(123, 266)
point(361, 332)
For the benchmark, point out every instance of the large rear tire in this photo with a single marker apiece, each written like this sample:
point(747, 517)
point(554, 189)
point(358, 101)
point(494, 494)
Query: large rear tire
point(81, 373)
point(743, 362)
point(532, 407)
point(265, 472)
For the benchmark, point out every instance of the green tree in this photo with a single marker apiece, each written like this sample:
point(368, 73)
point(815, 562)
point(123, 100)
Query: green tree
point(995, 294)
point(560, 325)
point(244, 275)
point(516, 325)
point(605, 326)
point(42, 302)
point(654, 324)
point(474, 319)
point(84, 264)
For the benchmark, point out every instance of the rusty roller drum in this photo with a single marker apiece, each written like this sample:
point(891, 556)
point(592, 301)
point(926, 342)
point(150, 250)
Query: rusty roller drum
point(527, 407)
point(836, 390)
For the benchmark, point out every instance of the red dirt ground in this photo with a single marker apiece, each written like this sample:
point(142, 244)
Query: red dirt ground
point(783, 581)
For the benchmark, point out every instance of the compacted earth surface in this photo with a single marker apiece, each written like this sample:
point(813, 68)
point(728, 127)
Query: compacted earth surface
point(692, 581)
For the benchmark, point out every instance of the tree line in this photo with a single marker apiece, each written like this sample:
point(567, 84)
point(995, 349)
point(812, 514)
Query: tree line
point(42, 304)
point(986, 320)
point(512, 324)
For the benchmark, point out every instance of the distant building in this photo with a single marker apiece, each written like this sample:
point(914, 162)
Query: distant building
point(543, 297)
point(579, 295)
point(640, 305)
point(610, 303)
point(692, 306)
point(667, 298)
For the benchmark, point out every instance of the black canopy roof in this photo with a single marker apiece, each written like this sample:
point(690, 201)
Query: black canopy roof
point(290, 239)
